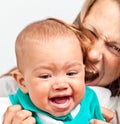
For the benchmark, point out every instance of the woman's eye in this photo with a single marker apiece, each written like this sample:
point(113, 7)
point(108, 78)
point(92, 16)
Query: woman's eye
point(94, 34)
point(71, 73)
point(116, 48)
point(45, 76)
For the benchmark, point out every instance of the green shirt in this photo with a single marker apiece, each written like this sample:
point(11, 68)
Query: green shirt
point(89, 108)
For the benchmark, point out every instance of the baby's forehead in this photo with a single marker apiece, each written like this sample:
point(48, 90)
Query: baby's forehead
point(41, 39)
point(36, 36)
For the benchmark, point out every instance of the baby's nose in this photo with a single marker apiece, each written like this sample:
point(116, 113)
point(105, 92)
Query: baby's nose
point(60, 86)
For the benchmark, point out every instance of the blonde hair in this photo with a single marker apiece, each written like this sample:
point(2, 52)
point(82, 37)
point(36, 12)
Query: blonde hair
point(46, 29)
point(86, 9)
point(115, 85)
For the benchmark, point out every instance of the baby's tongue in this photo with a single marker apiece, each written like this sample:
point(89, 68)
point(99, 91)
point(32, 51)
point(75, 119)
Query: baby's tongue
point(60, 100)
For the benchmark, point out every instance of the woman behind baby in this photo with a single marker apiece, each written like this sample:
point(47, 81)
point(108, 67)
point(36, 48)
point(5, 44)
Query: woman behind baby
point(102, 19)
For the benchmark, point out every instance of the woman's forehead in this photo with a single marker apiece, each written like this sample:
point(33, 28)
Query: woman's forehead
point(104, 16)
point(106, 7)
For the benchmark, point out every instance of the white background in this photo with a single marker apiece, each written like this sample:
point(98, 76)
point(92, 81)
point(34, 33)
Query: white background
point(16, 14)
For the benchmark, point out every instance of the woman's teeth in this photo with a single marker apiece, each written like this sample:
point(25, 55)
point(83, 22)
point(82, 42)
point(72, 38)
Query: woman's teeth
point(90, 75)
point(90, 70)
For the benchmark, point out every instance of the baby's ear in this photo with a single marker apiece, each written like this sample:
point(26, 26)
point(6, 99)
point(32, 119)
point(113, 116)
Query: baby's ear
point(20, 80)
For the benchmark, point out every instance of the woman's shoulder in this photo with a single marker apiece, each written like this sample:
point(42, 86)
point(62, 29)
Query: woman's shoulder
point(105, 97)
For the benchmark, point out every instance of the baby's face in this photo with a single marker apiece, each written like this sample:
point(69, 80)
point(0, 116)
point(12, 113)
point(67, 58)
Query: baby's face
point(54, 74)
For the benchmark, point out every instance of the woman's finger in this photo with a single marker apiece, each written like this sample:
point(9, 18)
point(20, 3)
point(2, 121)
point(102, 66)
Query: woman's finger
point(94, 121)
point(108, 114)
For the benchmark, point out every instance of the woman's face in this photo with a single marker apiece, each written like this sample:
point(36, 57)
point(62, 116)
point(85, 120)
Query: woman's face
point(103, 20)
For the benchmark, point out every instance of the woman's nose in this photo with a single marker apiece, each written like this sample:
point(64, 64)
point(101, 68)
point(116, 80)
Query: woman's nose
point(95, 53)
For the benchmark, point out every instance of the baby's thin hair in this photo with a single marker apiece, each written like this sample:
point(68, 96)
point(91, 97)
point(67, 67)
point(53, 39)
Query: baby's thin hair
point(115, 85)
point(46, 29)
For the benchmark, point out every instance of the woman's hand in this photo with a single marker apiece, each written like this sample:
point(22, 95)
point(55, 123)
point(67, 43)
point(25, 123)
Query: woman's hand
point(94, 121)
point(108, 115)
point(16, 115)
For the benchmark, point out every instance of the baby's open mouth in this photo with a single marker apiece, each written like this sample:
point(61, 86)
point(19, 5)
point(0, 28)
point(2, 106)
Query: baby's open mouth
point(61, 103)
point(60, 100)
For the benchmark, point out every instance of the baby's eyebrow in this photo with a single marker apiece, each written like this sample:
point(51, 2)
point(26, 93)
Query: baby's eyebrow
point(43, 66)
point(74, 64)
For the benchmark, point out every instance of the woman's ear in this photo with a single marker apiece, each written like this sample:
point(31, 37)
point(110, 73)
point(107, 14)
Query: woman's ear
point(20, 80)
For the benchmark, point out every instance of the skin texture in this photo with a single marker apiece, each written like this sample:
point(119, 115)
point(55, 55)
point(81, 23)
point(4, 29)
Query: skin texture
point(107, 114)
point(98, 122)
point(56, 74)
point(104, 55)
point(59, 72)
point(20, 116)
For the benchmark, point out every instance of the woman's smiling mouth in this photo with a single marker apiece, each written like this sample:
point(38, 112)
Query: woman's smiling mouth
point(90, 74)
